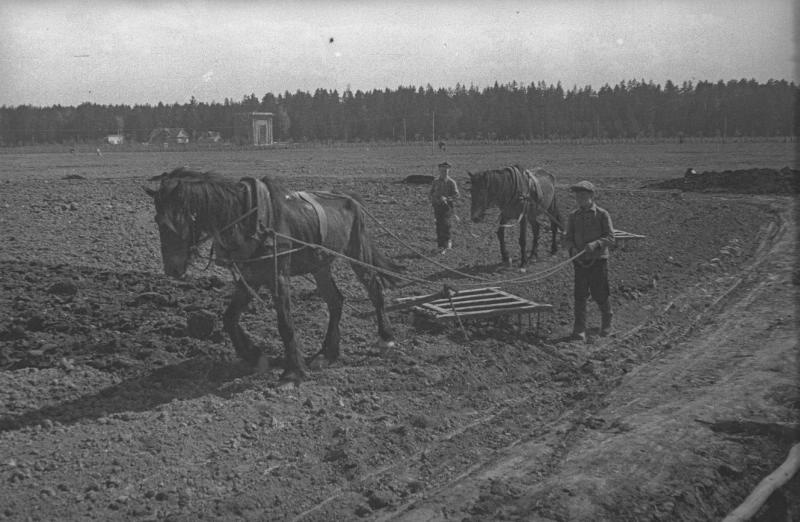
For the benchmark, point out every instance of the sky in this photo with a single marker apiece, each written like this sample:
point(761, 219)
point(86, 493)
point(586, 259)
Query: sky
point(68, 52)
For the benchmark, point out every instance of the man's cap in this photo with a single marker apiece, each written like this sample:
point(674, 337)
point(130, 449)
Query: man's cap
point(582, 185)
point(444, 165)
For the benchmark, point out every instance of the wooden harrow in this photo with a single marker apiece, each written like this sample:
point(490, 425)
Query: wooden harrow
point(623, 238)
point(450, 306)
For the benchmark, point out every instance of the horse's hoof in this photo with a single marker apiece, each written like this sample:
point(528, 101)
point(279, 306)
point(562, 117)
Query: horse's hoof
point(385, 346)
point(320, 363)
point(286, 385)
point(290, 378)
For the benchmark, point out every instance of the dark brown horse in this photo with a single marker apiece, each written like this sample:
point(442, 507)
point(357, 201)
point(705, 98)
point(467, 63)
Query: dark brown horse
point(263, 232)
point(522, 196)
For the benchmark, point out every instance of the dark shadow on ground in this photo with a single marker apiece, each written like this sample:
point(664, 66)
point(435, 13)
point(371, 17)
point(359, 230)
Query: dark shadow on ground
point(184, 380)
point(470, 270)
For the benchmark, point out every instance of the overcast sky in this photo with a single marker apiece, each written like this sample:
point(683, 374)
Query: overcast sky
point(133, 52)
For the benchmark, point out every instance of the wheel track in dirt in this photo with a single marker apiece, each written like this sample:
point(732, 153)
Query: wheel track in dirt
point(534, 455)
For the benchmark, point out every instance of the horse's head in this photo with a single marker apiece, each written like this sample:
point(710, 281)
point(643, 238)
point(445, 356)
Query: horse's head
point(176, 225)
point(479, 195)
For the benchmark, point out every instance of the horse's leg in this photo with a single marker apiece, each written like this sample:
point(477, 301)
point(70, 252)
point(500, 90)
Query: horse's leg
point(523, 240)
point(501, 236)
point(241, 342)
point(374, 286)
point(536, 233)
point(295, 367)
point(334, 299)
point(554, 242)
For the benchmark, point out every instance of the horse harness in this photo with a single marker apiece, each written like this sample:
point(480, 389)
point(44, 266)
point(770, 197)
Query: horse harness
point(312, 200)
point(260, 213)
point(258, 203)
point(528, 190)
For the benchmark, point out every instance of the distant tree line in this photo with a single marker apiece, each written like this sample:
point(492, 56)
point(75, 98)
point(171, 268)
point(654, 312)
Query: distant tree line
point(633, 109)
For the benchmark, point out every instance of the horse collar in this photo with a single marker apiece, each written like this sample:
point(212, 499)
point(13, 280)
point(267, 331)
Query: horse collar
point(533, 184)
point(257, 199)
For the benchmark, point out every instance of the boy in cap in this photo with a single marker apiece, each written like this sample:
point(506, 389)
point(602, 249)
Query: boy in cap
point(443, 196)
point(589, 228)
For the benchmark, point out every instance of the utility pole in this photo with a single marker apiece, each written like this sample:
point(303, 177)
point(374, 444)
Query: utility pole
point(597, 127)
point(433, 130)
point(724, 127)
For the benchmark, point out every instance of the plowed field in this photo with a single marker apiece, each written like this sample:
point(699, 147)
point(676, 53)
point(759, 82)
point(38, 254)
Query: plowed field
point(112, 407)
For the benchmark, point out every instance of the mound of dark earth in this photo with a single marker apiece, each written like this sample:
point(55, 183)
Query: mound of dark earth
point(418, 179)
point(747, 181)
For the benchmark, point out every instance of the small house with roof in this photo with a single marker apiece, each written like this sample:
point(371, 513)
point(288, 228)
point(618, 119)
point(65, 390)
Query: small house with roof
point(209, 137)
point(168, 135)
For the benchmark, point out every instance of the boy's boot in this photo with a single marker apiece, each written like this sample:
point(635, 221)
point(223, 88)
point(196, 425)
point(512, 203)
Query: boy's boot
point(605, 319)
point(579, 328)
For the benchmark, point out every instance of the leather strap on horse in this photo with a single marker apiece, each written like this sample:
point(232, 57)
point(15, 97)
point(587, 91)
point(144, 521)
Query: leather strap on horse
point(534, 194)
point(533, 184)
point(258, 198)
point(528, 194)
point(257, 211)
point(323, 218)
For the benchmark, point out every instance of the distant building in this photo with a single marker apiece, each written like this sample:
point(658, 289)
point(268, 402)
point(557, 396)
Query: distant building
point(115, 139)
point(253, 128)
point(209, 137)
point(168, 135)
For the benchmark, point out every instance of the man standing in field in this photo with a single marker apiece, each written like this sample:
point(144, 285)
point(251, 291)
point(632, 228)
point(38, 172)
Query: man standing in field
point(589, 229)
point(444, 194)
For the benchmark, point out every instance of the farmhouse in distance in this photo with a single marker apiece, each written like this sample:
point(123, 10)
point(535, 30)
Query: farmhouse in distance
point(168, 135)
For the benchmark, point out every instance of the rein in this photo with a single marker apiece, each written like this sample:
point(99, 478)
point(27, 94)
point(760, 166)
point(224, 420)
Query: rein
point(208, 236)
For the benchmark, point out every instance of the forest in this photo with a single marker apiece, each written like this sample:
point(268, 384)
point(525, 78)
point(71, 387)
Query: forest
point(538, 111)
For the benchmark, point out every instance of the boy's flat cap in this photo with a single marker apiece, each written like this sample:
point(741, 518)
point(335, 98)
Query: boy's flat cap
point(583, 185)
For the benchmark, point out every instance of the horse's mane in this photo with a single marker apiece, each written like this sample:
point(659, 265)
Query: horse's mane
point(209, 197)
point(497, 181)
point(278, 195)
point(214, 199)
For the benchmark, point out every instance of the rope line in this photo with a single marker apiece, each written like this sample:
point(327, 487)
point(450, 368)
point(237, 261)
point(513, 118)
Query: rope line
point(538, 276)
point(530, 277)
point(526, 278)
point(423, 256)
point(353, 260)
point(424, 282)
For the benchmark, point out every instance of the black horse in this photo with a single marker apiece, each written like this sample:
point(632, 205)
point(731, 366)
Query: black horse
point(521, 195)
point(266, 234)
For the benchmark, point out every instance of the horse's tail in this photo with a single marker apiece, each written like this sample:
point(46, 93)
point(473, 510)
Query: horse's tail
point(363, 249)
point(553, 212)
point(380, 260)
point(556, 212)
